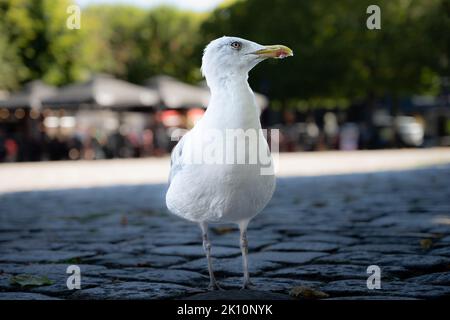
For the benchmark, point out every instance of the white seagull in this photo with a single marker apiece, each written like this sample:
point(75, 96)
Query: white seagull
point(215, 189)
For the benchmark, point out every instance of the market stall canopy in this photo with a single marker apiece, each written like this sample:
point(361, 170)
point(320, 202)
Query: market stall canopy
point(30, 96)
point(175, 94)
point(103, 91)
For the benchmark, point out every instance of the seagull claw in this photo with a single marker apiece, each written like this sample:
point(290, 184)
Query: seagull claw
point(214, 286)
point(248, 286)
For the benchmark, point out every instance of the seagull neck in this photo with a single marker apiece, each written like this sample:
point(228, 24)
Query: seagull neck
point(232, 104)
point(228, 84)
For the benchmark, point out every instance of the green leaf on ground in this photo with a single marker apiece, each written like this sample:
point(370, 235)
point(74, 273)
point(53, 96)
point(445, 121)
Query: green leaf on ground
point(29, 280)
point(426, 243)
point(307, 293)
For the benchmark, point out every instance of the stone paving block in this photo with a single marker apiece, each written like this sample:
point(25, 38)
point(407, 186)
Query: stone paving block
point(302, 246)
point(331, 272)
point(329, 238)
point(167, 239)
point(445, 251)
point(383, 248)
point(228, 266)
point(49, 269)
point(254, 243)
point(43, 256)
point(185, 277)
point(195, 251)
point(32, 244)
point(359, 257)
point(281, 285)
point(59, 287)
point(394, 288)
point(239, 295)
point(24, 296)
point(56, 273)
point(5, 282)
point(320, 232)
point(128, 260)
point(421, 262)
point(438, 278)
point(286, 257)
point(135, 291)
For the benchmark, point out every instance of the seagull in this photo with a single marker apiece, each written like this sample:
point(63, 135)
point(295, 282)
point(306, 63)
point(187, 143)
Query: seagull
point(218, 188)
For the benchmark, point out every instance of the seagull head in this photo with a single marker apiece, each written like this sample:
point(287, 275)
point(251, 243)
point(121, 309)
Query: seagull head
point(231, 57)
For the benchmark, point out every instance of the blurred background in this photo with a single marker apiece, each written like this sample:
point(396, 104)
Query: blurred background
point(118, 86)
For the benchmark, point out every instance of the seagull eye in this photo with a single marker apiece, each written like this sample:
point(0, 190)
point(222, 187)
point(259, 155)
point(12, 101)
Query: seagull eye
point(236, 45)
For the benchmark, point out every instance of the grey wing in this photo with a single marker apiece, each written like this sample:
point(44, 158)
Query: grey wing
point(176, 163)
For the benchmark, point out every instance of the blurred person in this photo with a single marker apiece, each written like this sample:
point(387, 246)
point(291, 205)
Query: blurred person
point(331, 130)
point(88, 151)
point(101, 145)
point(75, 146)
point(92, 148)
point(162, 140)
point(365, 136)
point(147, 143)
point(290, 132)
point(115, 143)
point(312, 134)
point(12, 149)
point(133, 140)
point(349, 137)
point(2, 146)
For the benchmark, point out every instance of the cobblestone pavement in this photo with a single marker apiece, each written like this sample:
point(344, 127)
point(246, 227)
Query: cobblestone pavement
point(319, 233)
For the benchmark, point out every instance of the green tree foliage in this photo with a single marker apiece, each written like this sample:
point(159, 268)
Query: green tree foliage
point(436, 25)
point(43, 46)
point(168, 38)
point(134, 44)
point(335, 54)
point(129, 42)
point(11, 69)
point(113, 37)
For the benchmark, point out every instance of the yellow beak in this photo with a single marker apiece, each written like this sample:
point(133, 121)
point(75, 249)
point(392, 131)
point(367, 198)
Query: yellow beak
point(275, 51)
